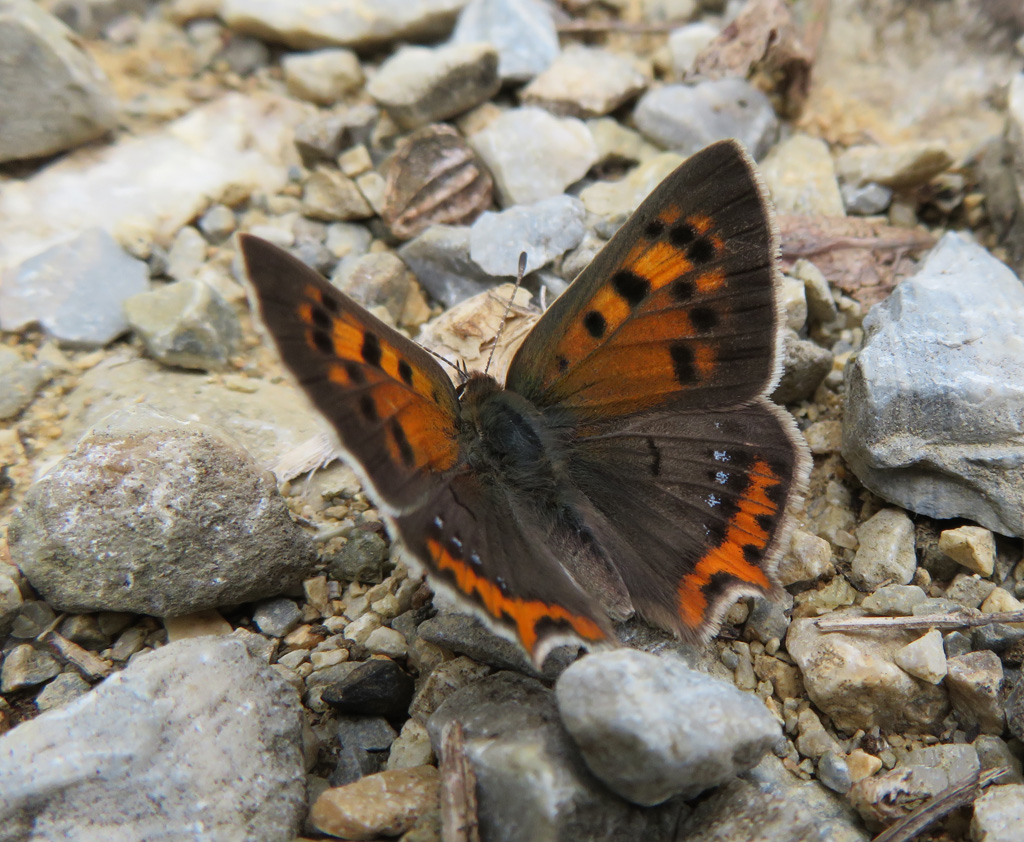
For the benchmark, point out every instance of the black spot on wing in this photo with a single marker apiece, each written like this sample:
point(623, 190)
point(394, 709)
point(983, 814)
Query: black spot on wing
point(371, 349)
point(683, 289)
point(682, 234)
point(320, 318)
point(704, 318)
point(595, 324)
point(354, 372)
point(632, 287)
point(368, 408)
point(701, 250)
point(405, 372)
point(682, 363)
point(402, 443)
point(322, 340)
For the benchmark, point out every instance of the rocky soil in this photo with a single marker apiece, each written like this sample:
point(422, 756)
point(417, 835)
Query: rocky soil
point(205, 632)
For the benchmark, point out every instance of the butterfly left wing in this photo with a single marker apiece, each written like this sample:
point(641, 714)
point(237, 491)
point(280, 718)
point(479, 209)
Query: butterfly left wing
point(393, 408)
point(492, 549)
point(679, 307)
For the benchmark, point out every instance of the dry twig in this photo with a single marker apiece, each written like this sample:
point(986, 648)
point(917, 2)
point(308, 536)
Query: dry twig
point(459, 821)
point(945, 802)
point(962, 620)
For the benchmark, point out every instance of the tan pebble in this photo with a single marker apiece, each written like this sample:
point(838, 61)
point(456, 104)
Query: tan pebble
point(862, 765)
point(199, 624)
point(971, 546)
point(387, 803)
point(1001, 600)
point(322, 660)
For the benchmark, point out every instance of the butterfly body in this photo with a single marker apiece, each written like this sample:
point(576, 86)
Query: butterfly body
point(632, 460)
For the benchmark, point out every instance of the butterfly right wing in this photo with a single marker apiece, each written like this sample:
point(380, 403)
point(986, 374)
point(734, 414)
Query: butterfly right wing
point(391, 405)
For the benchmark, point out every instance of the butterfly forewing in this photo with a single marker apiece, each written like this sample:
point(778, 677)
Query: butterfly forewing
point(390, 404)
point(677, 308)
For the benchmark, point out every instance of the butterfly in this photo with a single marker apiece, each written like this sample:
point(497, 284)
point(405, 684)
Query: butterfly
point(631, 463)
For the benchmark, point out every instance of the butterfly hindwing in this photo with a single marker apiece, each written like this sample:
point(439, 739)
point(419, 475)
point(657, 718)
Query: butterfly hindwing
point(679, 307)
point(391, 405)
point(491, 549)
point(699, 501)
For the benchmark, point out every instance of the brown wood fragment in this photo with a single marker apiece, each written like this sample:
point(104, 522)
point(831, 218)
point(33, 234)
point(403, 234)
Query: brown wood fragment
point(945, 802)
point(91, 666)
point(864, 258)
point(459, 820)
point(765, 44)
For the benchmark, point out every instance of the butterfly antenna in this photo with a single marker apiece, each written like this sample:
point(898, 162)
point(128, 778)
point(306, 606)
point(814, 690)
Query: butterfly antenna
point(508, 307)
point(458, 369)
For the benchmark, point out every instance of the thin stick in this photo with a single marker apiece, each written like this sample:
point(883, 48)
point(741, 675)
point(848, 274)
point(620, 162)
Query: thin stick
point(957, 795)
point(923, 621)
point(459, 818)
point(508, 307)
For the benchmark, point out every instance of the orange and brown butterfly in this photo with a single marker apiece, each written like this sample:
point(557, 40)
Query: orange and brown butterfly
point(632, 462)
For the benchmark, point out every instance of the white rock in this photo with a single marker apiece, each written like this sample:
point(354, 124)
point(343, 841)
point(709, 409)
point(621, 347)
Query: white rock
point(147, 187)
point(925, 658)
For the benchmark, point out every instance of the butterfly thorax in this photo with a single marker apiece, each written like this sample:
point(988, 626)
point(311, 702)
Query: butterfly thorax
point(504, 434)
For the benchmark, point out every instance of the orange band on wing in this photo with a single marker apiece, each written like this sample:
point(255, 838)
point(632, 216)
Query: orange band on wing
point(525, 613)
point(728, 557)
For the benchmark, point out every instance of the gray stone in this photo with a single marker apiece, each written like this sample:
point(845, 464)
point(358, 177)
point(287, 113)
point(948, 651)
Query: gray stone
point(855, 680)
point(531, 785)
point(545, 230)
point(898, 167)
point(10, 601)
point(1014, 710)
point(522, 31)
point(331, 196)
point(157, 516)
point(969, 591)
point(886, 552)
point(218, 223)
point(805, 365)
point(651, 728)
point(995, 753)
point(999, 814)
point(25, 666)
point(19, 381)
point(769, 803)
point(834, 772)
point(65, 688)
point(186, 324)
point(107, 754)
point(585, 82)
point(533, 154)
point(421, 85)
point(439, 257)
point(361, 558)
point(75, 290)
point(360, 24)
point(866, 199)
point(377, 279)
point(923, 774)
point(465, 635)
point(975, 684)
point(55, 95)
point(934, 397)
point(686, 118)
point(187, 254)
point(894, 600)
point(688, 42)
point(32, 620)
point(322, 76)
point(802, 178)
point(276, 617)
